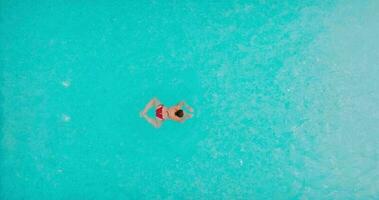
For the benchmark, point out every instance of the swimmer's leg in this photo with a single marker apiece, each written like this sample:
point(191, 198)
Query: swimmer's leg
point(148, 106)
point(156, 102)
point(153, 102)
point(156, 123)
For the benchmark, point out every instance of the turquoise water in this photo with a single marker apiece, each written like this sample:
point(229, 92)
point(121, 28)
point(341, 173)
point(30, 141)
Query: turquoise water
point(285, 96)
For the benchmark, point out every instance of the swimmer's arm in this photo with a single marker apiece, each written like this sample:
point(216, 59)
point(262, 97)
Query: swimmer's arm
point(154, 122)
point(186, 116)
point(182, 103)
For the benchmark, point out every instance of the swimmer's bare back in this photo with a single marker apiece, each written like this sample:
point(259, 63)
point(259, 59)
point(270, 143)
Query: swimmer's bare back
point(162, 113)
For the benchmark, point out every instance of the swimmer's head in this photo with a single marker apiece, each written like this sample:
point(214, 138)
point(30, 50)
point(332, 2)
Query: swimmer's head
point(179, 113)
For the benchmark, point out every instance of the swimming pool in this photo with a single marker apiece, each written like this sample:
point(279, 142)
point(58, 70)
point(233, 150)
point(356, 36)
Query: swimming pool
point(285, 96)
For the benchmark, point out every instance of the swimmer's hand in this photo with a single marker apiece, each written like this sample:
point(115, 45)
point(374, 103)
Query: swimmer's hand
point(141, 114)
point(189, 108)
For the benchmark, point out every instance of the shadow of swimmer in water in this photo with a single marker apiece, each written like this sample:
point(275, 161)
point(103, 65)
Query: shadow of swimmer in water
point(162, 112)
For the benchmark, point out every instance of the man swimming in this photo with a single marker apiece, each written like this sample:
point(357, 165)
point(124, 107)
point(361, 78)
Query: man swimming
point(163, 113)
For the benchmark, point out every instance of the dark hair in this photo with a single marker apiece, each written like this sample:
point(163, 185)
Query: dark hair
point(179, 113)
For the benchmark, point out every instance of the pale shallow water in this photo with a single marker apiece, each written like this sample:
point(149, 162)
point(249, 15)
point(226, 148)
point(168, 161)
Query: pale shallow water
point(285, 94)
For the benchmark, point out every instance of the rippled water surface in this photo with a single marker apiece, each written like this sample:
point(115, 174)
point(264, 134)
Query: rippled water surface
point(285, 95)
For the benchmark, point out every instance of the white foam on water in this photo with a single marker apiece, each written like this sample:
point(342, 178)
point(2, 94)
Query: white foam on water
point(66, 83)
point(66, 118)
